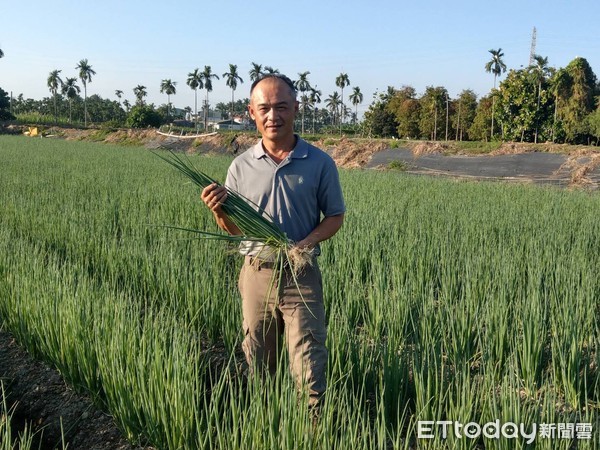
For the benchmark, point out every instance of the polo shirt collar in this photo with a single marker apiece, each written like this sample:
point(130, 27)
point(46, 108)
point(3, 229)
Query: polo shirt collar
point(258, 151)
point(300, 150)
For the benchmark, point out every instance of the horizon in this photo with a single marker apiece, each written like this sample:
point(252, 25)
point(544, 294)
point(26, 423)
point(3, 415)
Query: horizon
point(430, 44)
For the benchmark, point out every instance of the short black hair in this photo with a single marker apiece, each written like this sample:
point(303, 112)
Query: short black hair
point(279, 76)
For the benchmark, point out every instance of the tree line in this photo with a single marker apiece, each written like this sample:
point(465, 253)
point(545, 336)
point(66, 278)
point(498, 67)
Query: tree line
point(538, 103)
point(532, 104)
point(66, 101)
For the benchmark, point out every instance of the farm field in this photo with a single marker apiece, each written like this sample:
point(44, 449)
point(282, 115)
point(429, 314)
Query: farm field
point(446, 300)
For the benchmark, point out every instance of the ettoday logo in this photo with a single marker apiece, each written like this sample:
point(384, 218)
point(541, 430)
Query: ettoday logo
point(429, 429)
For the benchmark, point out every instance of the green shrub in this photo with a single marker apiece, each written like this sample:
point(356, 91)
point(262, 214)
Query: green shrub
point(143, 117)
point(311, 138)
point(398, 165)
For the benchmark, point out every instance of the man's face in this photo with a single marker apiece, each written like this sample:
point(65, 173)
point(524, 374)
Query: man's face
point(273, 108)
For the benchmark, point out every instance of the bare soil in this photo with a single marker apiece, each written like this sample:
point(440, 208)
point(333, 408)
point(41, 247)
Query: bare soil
point(51, 408)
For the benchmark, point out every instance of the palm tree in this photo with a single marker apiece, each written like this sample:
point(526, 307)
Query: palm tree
point(333, 102)
point(304, 104)
point(315, 98)
point(342, 81)
point(85, 74)
point(126, 104)
point(194, 81)
point(540, 71)
point(432, 102)
point(256, 72)
point(140, 92)
point(232, 81)
point(71, 90)
point(119, 94)
point(389, 94)
point(207, 77)
point(270, 70)
point(356, 98)
point(303, 85)
point(54, 83)
point(168, 87)
point(20, 101)
point(497, 67)
point(222, 108)
point(561, 82)
point(344, 111)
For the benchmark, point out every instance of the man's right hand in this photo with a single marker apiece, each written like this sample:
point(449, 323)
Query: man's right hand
point(214, 196)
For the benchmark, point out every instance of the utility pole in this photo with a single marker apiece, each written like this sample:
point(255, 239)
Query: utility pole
point(447, 108)
point(532, 50)
point(458, 130)
point(435, 123)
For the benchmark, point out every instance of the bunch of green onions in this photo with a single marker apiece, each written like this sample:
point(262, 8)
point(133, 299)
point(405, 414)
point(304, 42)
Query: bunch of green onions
point(255, 225)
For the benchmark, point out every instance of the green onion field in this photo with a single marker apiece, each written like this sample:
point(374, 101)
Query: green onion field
point(446, 300)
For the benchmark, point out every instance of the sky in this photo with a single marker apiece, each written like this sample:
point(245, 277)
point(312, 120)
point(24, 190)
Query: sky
point(377, 43)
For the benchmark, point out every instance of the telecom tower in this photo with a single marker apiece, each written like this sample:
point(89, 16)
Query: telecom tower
point(532, 51)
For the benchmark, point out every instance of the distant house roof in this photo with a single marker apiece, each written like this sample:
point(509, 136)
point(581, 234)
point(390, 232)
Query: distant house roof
point(229, 122)
point(229, 125)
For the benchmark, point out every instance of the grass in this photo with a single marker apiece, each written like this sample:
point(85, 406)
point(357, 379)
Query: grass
point(476, 147)
point(445, 299)
point(33, 118)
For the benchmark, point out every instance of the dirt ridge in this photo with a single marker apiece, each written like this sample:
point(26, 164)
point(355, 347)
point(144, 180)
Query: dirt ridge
point(347, 152)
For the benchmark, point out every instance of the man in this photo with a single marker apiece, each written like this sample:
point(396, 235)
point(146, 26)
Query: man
point(295, 183)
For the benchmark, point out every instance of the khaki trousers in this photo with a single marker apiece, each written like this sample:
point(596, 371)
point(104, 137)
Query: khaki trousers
point(272, 309)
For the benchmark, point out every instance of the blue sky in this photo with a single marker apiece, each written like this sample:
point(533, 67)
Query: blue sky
point(377, 43)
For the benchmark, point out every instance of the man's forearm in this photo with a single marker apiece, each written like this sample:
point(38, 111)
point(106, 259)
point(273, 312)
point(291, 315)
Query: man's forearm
point(326, 229)
point(226, 224)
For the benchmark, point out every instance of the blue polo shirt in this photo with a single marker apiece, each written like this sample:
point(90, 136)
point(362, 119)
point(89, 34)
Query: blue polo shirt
point(295, 192)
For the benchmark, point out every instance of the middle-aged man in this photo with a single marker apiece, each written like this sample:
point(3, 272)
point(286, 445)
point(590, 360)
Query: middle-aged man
point(295, 183)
